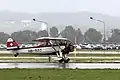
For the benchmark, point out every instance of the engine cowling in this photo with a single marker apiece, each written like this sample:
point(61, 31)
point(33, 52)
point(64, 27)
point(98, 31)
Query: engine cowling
point(68, 48)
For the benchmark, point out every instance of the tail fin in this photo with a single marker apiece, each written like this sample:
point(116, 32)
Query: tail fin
point(12, 44)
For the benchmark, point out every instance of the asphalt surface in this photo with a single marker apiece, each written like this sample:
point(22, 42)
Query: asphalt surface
point(78, 52)
point(90, 57)
point(62, 65)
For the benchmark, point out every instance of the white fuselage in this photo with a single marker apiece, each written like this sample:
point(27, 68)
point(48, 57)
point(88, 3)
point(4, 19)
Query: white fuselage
point(40, 50)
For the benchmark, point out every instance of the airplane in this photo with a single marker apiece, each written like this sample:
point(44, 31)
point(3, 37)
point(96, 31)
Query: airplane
point(46, 46)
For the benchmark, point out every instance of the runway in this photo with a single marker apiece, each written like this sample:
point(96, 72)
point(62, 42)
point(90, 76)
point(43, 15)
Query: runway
point(94, 57)
point(78, 52)
point(62, 65)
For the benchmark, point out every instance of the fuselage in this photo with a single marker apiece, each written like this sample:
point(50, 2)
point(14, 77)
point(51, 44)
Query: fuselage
point(43, 45)
point(39, 50)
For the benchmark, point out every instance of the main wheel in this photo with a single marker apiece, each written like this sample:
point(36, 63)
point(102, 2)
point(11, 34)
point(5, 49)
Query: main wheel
point(67, 60)
point(60, 61)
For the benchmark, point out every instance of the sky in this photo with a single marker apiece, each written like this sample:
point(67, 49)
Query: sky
point(109, 7)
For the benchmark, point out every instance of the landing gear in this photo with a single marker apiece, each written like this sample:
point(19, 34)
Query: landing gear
point(61, 54)
point(16, 54)
point(67, 60)
point(64, 60)
point(60, 61)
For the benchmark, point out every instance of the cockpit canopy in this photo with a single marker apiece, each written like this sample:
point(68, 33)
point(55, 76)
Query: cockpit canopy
point(48, 41)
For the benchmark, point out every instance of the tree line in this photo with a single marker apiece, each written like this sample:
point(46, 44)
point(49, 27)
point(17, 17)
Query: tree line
point(90, 36)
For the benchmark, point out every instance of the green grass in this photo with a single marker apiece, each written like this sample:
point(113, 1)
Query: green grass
point(93, 60)
point(52, 60)
point(91, 54)
point(71, 55)
point(90, 60)
point(58, 74)
point(20, 55)
point(82, 55)
point(98, 50)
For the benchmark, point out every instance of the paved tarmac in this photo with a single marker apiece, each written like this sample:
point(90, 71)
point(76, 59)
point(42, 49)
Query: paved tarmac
point(78, 52)
point(90, 57)
point(62, 65)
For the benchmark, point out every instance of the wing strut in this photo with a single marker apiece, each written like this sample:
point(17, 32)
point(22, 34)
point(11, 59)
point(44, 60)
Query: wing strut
point(57, 53)
point(60, 54)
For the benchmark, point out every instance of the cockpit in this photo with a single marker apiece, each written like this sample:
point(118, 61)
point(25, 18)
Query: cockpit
point(45, 43)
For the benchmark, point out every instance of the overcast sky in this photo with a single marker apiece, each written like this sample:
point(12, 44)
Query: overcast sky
point(110, 7)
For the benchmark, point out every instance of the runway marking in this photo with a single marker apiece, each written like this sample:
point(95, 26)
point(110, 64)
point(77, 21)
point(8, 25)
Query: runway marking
point(68, 65)
point(97, 52)
point(69, 57)
point(78, 52)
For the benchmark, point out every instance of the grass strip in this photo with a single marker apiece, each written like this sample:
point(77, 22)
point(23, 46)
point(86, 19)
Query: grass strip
point(59, 74)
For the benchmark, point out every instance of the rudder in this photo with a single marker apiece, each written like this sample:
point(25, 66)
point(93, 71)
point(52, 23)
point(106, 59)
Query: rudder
point(12, 44)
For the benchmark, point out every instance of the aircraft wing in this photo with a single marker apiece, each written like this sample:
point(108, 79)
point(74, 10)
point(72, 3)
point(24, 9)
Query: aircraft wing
point(50, 38)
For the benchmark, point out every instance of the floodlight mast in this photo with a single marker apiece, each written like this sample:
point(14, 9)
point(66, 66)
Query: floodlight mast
point(104, 38)
point(42, 22)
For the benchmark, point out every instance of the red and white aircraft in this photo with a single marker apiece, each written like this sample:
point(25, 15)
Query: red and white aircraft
point(46, 46)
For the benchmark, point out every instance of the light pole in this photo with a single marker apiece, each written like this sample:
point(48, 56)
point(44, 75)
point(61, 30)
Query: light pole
point(42, 22)
point(104, 38)
point(49, 57)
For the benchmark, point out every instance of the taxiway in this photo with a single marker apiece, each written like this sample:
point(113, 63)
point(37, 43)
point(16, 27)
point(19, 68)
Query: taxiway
point(62, 65)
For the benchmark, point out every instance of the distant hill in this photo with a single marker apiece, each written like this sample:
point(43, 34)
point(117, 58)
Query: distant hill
point(11, 21)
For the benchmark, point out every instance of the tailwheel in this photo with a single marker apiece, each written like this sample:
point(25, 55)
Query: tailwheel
point(66, 60)
point(16, 54)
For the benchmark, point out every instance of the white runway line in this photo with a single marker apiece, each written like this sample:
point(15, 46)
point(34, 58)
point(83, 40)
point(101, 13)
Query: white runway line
point(56, 57)
point(97, 52)
point(98, 66)
point(78, 52)
point(68, 65)
point(5, 52)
